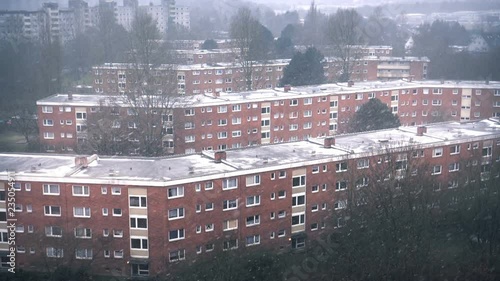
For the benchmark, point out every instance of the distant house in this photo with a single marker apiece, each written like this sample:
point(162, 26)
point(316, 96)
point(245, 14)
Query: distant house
point(478, 45)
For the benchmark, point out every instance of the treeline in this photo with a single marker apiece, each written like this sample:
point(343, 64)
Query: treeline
point(436, 40)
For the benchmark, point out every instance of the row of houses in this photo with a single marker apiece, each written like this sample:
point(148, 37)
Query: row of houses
point(144, 216)
point(216, 121)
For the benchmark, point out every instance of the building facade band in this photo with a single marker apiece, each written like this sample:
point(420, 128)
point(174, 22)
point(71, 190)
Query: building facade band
point(232, 120)
point(142, 216)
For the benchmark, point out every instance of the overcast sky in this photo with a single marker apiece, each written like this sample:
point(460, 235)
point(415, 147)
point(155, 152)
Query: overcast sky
point(283, 4)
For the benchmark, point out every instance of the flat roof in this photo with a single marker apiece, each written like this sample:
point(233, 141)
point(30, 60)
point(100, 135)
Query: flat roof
point(182, 169)
point(271, 94)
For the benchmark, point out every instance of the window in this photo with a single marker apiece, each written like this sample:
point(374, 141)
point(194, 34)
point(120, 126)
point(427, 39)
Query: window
point(253, 240)
point(281, 194)
point(341, 185)
point(236, 107)
point(209, 227)
point(54, 252)
point(253, 220)
point(177, 234)
point(47, 109)
point(253, 180)
point(48, 122)
point(341, 204)
point(298, 219)
point(230, 245)
point(298, 200)
point(222, 109)
point(281, 233)
point(83, 233)
point(81, 116)
point(139, 269)
point(455, 149)
point(230, 224)
point(81, 190)
point(176, 213)
point(341, 167)
point(52, 210)
point(209, 206)
point(51, 189)
point(176, 192)
point(486, 152)
point(139, 243)
point(230, 183)
point(299, 181)
point(294, 102)
point(53, 231)
point(253, 200)
point(138, 201)
point(139, 222)
point(177, 255)
point(436, 102)
point(436, 170)
point(314, 226)
point(298, 242)
point(437, 152)
point(222, 135)
point(81, 212)
point(363, 163)
point(362, 182)
point(230, 204)
point(118, 254)
point(189, 112)
point(116, 190)
point(117, 212)
point(453, 167)
point(104, 211)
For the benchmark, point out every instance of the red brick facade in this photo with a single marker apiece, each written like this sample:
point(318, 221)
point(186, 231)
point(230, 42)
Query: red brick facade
point(272, 187)
point(242, 119)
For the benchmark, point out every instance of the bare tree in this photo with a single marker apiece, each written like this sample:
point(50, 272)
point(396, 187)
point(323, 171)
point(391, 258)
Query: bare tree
point(343, 31)
point(141, 119)
point(251, 43)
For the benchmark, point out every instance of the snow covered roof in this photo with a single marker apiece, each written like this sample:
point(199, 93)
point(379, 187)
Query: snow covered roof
point(183, 169)
point(269, 94)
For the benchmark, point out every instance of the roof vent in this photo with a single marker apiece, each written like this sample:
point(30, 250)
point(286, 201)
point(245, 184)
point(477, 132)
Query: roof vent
point(191, 170)
point(113, 172)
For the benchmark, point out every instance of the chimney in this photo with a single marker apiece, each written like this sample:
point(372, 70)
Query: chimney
point(216, 94)
point(421, 130)
point(81, 161)
point(219, 156)
point(328, 142)
point(287, 88)
point(70, 96)
point(350, 83)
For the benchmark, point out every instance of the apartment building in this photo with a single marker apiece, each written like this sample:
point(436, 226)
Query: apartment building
point(215, 121)
point(48, 21)
point(191, 79)
point(383, 68)
point(144, 216)
point(211, 71)
point(200, 56)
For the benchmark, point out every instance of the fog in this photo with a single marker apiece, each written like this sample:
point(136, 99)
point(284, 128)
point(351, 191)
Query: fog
point(276, 4)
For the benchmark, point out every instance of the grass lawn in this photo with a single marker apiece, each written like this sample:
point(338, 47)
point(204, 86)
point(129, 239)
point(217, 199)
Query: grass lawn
point(11, 141)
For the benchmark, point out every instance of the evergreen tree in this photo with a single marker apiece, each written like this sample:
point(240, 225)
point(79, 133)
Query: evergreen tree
point(374, 115)
point(304, 69)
